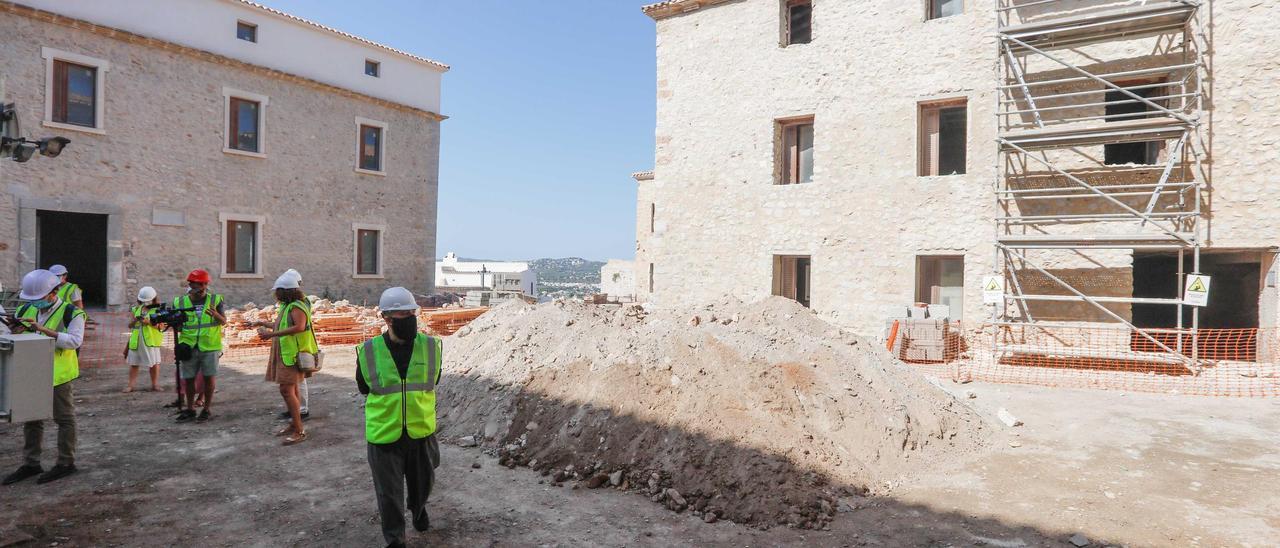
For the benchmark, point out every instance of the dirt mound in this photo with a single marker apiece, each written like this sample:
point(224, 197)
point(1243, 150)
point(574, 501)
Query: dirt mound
point(759, 413)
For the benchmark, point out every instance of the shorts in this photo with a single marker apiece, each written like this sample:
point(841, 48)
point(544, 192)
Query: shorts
point(200, 362)
point(144, 356)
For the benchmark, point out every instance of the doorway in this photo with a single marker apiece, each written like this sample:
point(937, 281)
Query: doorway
point(77, 241)
point(791, 278)
point(1233, 296)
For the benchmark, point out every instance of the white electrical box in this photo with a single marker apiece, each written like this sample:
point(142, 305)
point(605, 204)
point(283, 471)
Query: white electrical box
point(26, 378)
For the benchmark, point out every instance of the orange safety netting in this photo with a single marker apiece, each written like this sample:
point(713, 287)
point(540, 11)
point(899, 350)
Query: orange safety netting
point(1208, 362)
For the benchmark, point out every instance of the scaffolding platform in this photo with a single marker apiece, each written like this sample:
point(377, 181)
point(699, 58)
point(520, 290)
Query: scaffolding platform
point(1118, 241)
point(1130, 131)
point(1124, 23)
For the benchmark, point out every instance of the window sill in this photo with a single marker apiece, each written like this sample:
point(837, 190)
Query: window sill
point(73, 127)
point(229, 276)
point(368, 276)
point(792, 184)
point(371, 172)
point(941, 176)
point(239, 152)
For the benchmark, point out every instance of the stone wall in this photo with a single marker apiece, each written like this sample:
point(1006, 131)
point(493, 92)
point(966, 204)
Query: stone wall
point(723, 80)
point(618, 281)
point(163, 149)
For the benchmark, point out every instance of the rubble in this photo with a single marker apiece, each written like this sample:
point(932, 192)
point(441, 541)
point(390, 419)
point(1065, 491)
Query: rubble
point(341, 322)
point(773, 420)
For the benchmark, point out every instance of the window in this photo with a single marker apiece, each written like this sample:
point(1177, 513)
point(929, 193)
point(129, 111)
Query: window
point(943, 137)
point(368, 250)
point(1121, 107)
point(241, 246)
point(651, 277)
point(74, 98)
point(653, 216)
point(798, 16)
point(371, 67)
point(245, 123)
point(940, 280)
point(370, 143)
point(246, 31)
point(791, 278)
point(945, 8)
point(795, 152)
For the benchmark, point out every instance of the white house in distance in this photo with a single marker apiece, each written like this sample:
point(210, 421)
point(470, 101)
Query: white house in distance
point(454, 276)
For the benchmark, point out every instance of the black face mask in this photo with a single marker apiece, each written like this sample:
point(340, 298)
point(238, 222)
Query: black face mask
point(405, 329)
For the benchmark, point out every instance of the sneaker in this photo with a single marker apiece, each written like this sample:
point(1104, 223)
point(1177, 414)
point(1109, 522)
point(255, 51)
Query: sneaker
point(284, 416)
point(421, 522)
point(204, 416)
point(185, 415)
point(56, 473)
point(22, 473)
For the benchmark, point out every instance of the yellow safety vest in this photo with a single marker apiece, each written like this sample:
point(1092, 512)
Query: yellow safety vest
point(151, 337)
point(304, 341)
point(201, 332)
point(66, 364)
point(67, 291)
point(398, 405)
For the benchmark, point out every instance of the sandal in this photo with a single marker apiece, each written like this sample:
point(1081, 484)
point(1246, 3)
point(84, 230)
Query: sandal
point(204, 416)
point(295, 439)
point(285, 432)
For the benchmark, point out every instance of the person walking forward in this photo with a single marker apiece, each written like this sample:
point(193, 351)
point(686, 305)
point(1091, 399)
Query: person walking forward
point(398, 372)
point(202, 336)
point(291, 337)
point(48, 315)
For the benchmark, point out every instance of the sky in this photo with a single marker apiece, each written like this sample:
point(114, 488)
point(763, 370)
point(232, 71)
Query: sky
point(550, 106)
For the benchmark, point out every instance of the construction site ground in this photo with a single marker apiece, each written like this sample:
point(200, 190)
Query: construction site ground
point(1122, 469)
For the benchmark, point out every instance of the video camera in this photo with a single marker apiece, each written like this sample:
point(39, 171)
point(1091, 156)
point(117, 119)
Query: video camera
point(172, 317)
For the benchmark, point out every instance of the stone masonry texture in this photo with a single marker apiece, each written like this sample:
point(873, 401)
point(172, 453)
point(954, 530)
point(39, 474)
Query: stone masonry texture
point(163, 148)
point(723, 80)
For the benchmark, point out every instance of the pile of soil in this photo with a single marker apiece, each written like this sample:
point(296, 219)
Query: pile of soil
point(759, 413)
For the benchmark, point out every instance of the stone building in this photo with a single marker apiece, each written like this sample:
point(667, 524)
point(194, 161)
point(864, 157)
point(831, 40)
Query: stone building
point(845, 154)
point(217, 134)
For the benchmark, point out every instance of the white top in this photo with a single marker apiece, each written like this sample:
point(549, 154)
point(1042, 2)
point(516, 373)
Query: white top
point(4, 329)
point(73, 337)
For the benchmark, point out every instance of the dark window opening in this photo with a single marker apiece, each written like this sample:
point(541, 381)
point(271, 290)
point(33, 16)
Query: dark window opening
point(945, 8)
point(242, 247)
point(1147, 153)
point(791, 278)
point(371, 148)
point(940, 280)
point(246, 31)
point(796, 152)
point(943, 139)
point(75, 94)
point(799, 22)
point(371, 68)
point(367, 252)
point(243, 131)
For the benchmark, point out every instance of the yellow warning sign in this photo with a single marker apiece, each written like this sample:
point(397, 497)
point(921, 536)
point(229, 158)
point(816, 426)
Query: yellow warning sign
point(992, 285)
point(1197, 290)
point(993, 290)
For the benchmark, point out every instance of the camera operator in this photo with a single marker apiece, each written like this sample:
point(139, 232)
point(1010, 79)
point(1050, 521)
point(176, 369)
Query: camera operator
point(50, 316)
point(200, 341)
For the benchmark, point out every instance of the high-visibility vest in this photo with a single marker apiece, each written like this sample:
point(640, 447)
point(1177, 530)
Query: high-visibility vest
point(201, 332)
point(396, 405)
point(150, 336)
point(66, 364)
point(303, 341)
point(67, 291)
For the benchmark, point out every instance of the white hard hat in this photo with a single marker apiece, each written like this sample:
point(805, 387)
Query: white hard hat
point(38, 284)
point(58, 270)
point(288, 280)
point(397, 298)
point(146, 293)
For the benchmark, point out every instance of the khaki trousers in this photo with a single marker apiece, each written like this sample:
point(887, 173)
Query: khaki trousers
point(64, 415)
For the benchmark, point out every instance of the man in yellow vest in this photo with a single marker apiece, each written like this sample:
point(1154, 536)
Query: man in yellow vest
point(50, 316)
point(398, 372)
point(202, 336)
point(67, 291)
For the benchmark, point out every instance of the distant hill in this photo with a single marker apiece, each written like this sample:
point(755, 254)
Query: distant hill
point(569, 270)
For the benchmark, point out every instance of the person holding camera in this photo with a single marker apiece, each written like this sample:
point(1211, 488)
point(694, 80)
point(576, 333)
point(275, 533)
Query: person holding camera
point(199, 342)
point(291, 337)
point(145, 339)
point(46, 314)
point(398, 372)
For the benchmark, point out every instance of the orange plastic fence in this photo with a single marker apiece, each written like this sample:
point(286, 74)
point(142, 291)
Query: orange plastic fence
point(1209, 362)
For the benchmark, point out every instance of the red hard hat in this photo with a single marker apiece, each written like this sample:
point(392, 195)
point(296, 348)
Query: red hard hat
point(199, 275)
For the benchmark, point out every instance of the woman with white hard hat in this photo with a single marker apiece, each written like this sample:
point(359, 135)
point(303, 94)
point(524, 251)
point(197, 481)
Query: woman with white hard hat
point(291, 337)
point(67, 291)
point(143, 349)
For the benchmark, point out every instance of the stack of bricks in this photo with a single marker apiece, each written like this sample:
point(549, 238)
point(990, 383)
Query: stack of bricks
point(921, 340)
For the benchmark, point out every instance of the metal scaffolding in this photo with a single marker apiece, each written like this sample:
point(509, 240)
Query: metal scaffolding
point(1125, 79)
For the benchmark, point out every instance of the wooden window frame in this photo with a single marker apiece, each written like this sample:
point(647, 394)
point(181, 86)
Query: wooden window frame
point(253, 31)
point(919, 295)
point(382, 146)
point(228, 127)
point(787, 159)
point(356, 229)
point(101, 67)
point(927, 156)
point(377, 68)
point(225, 220)
point(786, 22)
point(785, 266)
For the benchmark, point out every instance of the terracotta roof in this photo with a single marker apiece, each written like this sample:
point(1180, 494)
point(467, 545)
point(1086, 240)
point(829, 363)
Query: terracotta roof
point(436, 64)
point(676, 7)
point(642, 175)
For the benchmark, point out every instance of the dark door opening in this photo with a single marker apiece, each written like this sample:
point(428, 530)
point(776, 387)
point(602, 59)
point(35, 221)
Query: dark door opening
point(791, 277)
point(1233, 300)
point(77, 241)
